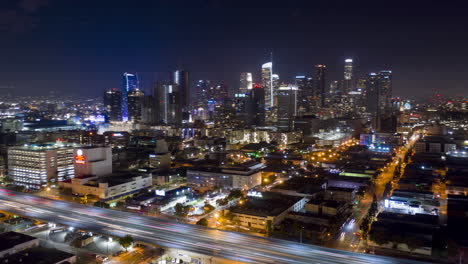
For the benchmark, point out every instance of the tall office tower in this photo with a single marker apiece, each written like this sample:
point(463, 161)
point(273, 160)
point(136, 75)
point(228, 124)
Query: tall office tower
point(166, 95)
point(202, 92)
point(267, 84)
point(181, 79)
point(150, 110)
point(372, 94)
point(113, 104)
point(334, 86)
point(385, 91)
point(130, 83)
point(218, 94)
point(245, 82)
point(379, 92)
point(287, 106)
point(135, 101)
point(256, 106)
point(40, 165)
point(348, 69)
point(305, 93)
point(320, 82)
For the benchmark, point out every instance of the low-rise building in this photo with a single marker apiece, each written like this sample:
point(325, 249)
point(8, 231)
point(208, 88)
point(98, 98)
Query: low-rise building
point(340, 194)
point(325, 207)
point(231, 178)
point(109, 187)
point(267, 208)
point(13, 242)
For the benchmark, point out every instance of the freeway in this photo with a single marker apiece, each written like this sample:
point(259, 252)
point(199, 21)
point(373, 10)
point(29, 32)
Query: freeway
point(207, 241)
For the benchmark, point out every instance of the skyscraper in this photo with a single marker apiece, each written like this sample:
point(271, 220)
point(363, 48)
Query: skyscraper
point(245, 82)
point(256, 106)
point(348, 69)
point(130, 83)
point(169, 109)
point(181, 79)
point(135, 101)
point(267, 84)
point(320, 82)
point(113, 104)
point(379, 92)
point(202, 91)
point(385, 90)
point(372, 94)
point(286, 106)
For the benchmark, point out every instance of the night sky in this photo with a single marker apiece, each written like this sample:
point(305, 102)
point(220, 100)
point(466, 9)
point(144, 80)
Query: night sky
point(83, 46)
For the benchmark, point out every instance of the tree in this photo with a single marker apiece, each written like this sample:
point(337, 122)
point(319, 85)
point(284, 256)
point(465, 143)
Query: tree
point(126, 241)
point(101, 204)
point(234, 194)
point(179, 210)
point(365, 224)
point(84, 200)
point(413, 242)
point(269, 227)
point(202, 222)
point(208, 208)
point(380, 237)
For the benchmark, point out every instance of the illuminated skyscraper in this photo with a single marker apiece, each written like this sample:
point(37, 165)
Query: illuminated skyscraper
point(166, 95)
point(245, 82)
point(372, 94)
point(256, 106)
point(267, 83)
point(181, 79)
point(385, 90)
point(348, 69)
point(320, 82)
point(287, 106)
point(113, 104)
point(130, 83)
point(135, 101)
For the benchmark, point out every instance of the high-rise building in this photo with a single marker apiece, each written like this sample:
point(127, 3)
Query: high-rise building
point(202, 91)
point(167, 98)
point(305, 99)
point(130, 83)
point(135, 101)
point(39, 165)
point(320, 83)
point(113, 104)
point(256, 106)
point(379, 92)
point(348, 69)
point(245, 82)
point(181, 79)
point(385, 90)
point(286, 106)
point(150, 110)
point(372, 94)
point(267, 84)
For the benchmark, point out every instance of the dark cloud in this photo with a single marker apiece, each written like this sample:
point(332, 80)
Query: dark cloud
point(22, 17)
point(33, 6)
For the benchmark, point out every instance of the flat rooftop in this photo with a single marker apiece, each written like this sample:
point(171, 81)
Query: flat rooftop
point(11, 239)
point(37, 255)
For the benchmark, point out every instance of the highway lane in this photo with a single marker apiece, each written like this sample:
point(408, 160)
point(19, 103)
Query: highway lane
point(223, 244)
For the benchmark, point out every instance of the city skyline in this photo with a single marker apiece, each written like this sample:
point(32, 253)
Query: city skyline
point(52, 46)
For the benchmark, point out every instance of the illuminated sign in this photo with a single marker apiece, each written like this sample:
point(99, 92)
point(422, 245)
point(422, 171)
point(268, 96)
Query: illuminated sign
point(254, 194)
point(79, 158)
point(117, 135)
point(161, 192)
